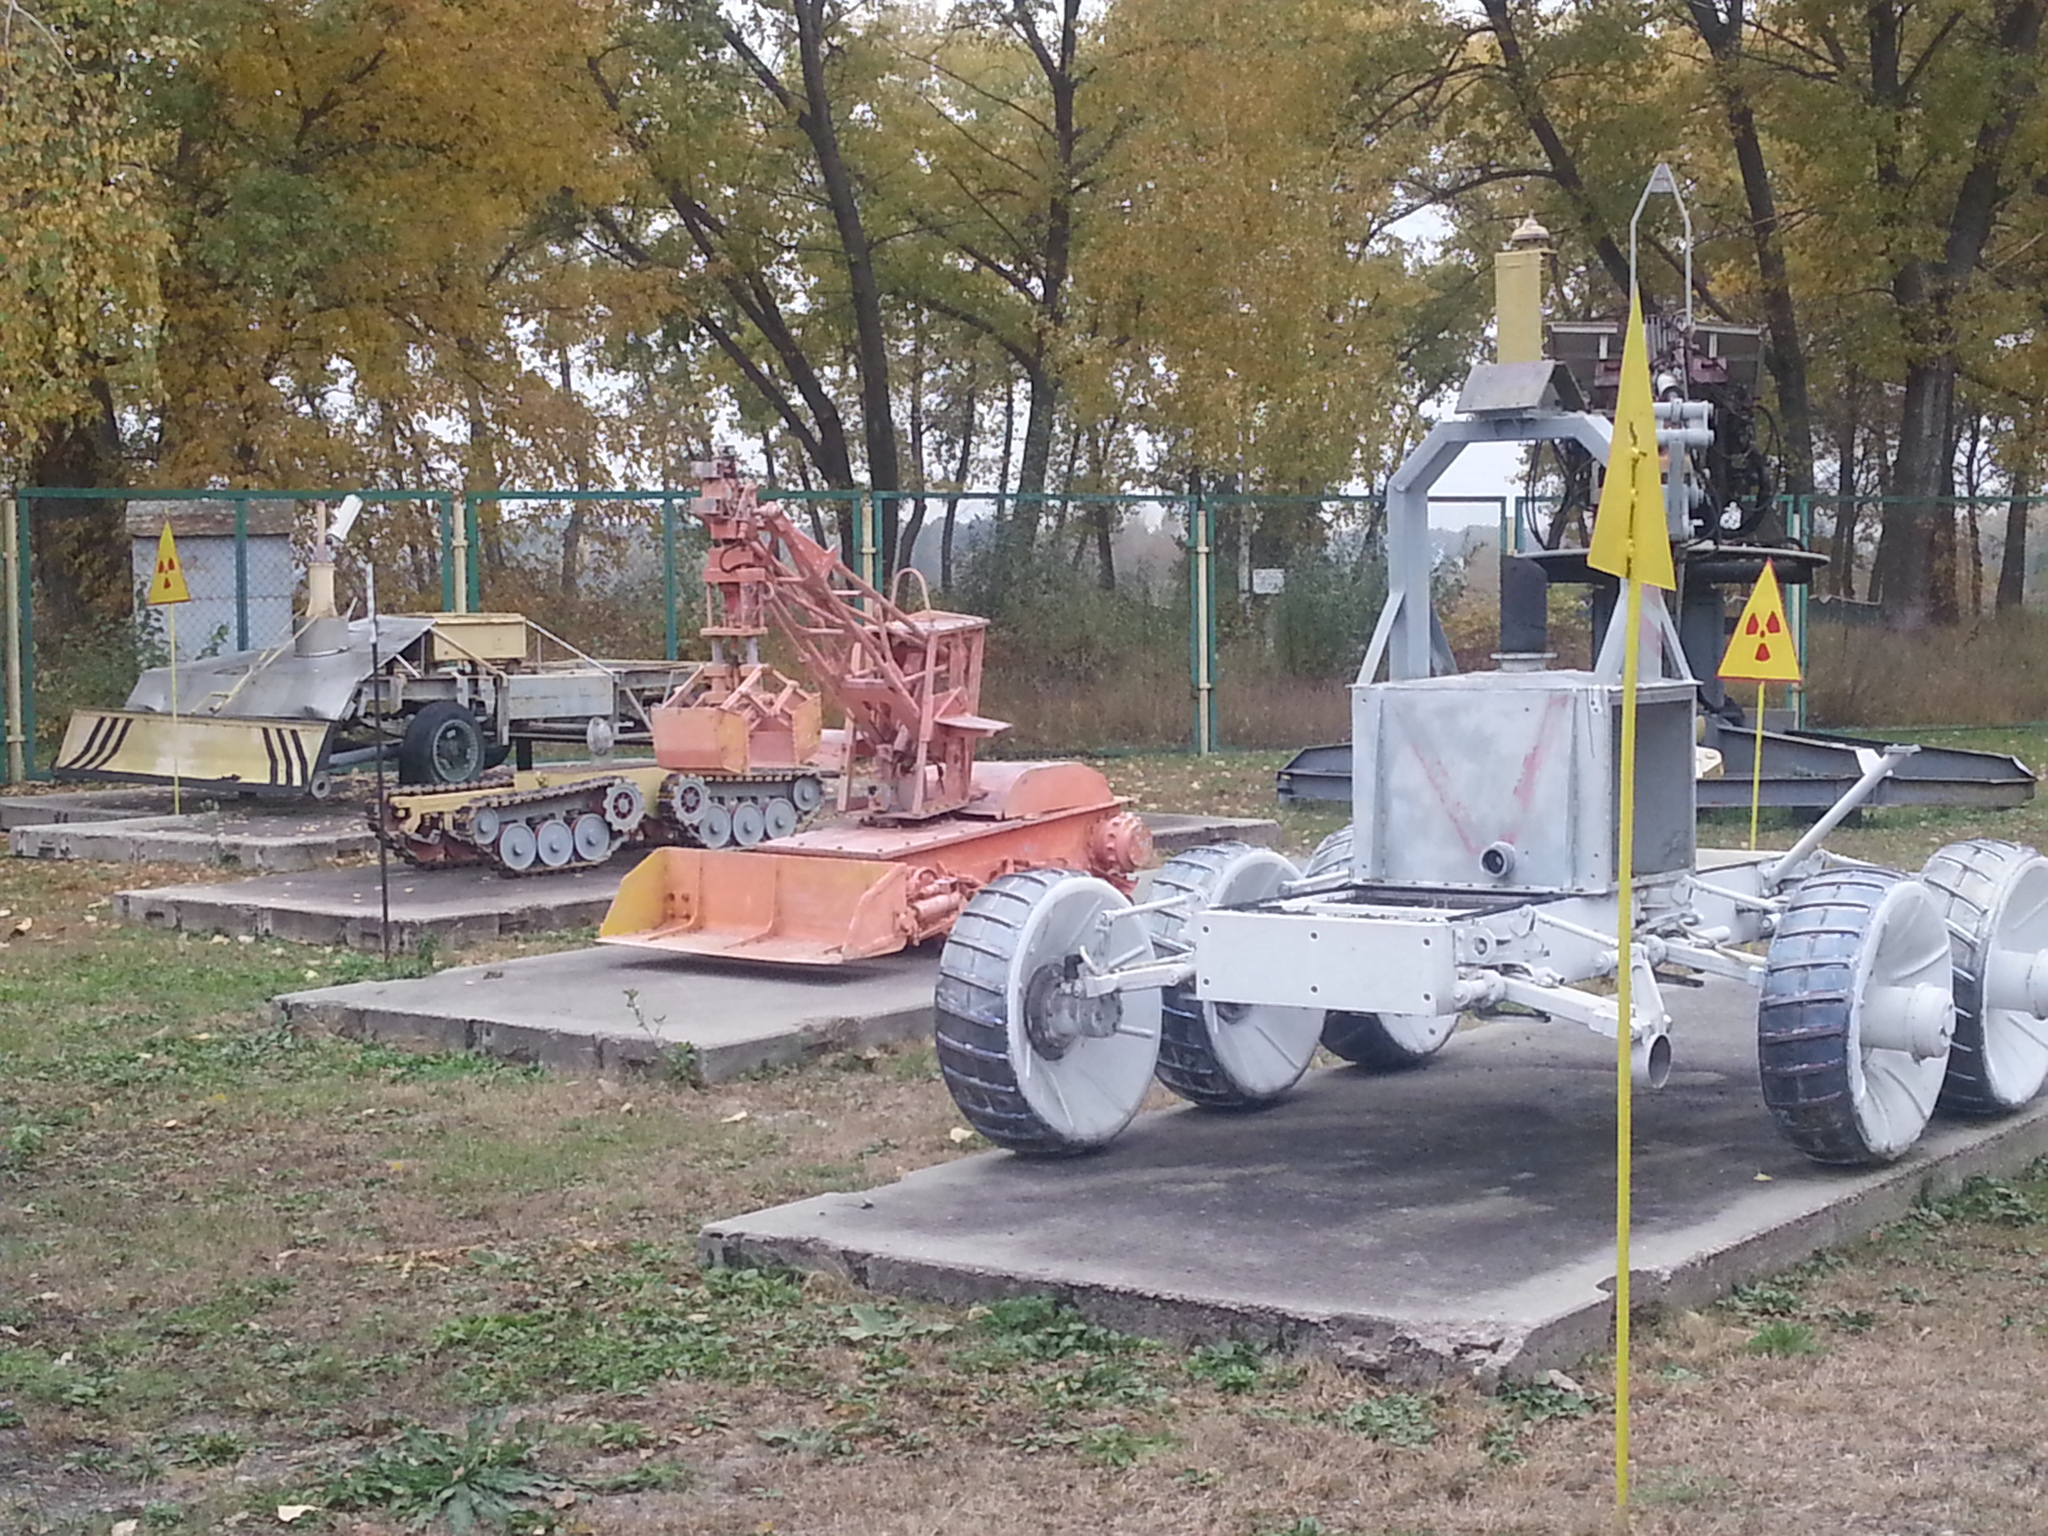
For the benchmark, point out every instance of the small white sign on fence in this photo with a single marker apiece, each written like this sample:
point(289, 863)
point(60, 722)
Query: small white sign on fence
point(1268, 581)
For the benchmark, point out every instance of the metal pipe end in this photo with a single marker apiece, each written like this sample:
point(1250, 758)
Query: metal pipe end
point(1649, 1062)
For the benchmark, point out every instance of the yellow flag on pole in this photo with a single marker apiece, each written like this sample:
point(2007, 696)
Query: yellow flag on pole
point(1630, 538)
point(168, 584)
point(1761, 650)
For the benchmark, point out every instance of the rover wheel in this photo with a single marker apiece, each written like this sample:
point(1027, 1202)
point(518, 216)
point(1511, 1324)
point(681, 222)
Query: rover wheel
point(1032, 1066)
point(1857, 1012)
point(1226, 1055)
point(1386, 1042)
point(1995, 897)
point(1332, 854)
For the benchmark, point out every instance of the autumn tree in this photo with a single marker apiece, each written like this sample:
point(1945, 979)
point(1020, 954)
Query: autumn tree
point(82, 229)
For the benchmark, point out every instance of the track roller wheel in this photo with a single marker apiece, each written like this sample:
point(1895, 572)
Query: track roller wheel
point(714, 825)
point(556, 842)
point(749, 825)
point(1034, 1067)
point(780, 816)
point(517, 847)
point(593, 838)
point(1856, 1016)
point(807, 794)
point(1226, 1055)
point(1995, 898)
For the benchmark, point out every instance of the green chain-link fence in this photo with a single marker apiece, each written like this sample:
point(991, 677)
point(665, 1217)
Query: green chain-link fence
point(1148, 620)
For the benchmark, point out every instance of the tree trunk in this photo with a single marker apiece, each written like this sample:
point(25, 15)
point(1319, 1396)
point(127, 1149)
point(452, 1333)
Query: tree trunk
point(1524, 89)
point(1842, 546)
point(907, 545)
point(79, 565)
point(1925, 292)
point(2012, 564)
point(1904, 577)
point(1722, 32)
point(1056, 63)
point(878, 420)
point(572, 526)
point(960, 471)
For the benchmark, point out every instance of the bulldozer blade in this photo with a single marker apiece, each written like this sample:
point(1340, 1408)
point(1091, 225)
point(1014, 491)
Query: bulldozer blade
point(280, 757)
point(786, 909)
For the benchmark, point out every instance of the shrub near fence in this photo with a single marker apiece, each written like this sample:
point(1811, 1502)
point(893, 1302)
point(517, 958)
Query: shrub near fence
point(1992, 672)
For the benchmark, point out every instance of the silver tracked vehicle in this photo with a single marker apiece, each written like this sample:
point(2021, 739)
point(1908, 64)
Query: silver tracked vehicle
point(1479, 871)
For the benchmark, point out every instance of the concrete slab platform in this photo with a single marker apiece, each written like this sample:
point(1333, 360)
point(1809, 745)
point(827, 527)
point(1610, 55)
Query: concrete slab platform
point(1449, 1221)
point(1174, 833)
point(36, 810)
point(236, 834)
point(613, 1010)
point(342, 906)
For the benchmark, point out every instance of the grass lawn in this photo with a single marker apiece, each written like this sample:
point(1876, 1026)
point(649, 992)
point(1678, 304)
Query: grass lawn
point(255, 1282)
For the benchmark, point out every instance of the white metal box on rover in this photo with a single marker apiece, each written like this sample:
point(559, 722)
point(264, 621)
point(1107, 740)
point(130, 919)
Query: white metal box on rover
point(1508, 781)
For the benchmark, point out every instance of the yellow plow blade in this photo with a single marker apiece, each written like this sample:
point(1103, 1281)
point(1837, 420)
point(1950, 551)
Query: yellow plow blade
point(267, 756)
point(789, 909)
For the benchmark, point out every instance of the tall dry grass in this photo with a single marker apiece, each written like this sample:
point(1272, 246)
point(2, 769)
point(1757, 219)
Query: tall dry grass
point(1992, 672)
point(1152, 707)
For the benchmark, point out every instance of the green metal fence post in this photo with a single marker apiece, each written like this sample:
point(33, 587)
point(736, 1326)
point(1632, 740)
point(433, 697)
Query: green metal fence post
point(468, 545)
point(864, 512)
point(444, 517)
point(241, 572)
point(671, 639)
point(24, 600)
point(1201, 622)
point(1800, 518)
point(10, 557)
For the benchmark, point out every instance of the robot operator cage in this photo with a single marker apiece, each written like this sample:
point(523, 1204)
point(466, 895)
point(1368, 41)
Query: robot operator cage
point(1509, 781)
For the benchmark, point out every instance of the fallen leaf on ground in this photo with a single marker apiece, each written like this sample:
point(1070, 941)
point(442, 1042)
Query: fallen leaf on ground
point(734, 1118)
point(959, 1135)
point(125, 1528)
point(290, 1512)
point(22, 926)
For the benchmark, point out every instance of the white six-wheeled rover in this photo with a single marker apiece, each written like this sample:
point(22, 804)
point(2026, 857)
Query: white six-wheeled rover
point(1479, 871)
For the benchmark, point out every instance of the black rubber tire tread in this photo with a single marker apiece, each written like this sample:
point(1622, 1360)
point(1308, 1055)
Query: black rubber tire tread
point(416, 747)
point(1967, 879)
point(1802, 1019)
point(971, 1016)
point(1362, 1040)
point(1187, 1060)
point(1332, 853)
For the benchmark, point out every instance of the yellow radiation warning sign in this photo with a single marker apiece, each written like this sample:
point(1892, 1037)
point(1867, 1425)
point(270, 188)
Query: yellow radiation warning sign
point(168, 584)
point(1761, 649)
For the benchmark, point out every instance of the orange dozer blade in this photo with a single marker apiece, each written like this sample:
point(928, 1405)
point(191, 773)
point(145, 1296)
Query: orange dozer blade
point(750, 905)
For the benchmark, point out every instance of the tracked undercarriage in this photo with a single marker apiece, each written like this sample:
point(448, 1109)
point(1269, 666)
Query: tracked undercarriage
point(546, 820)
